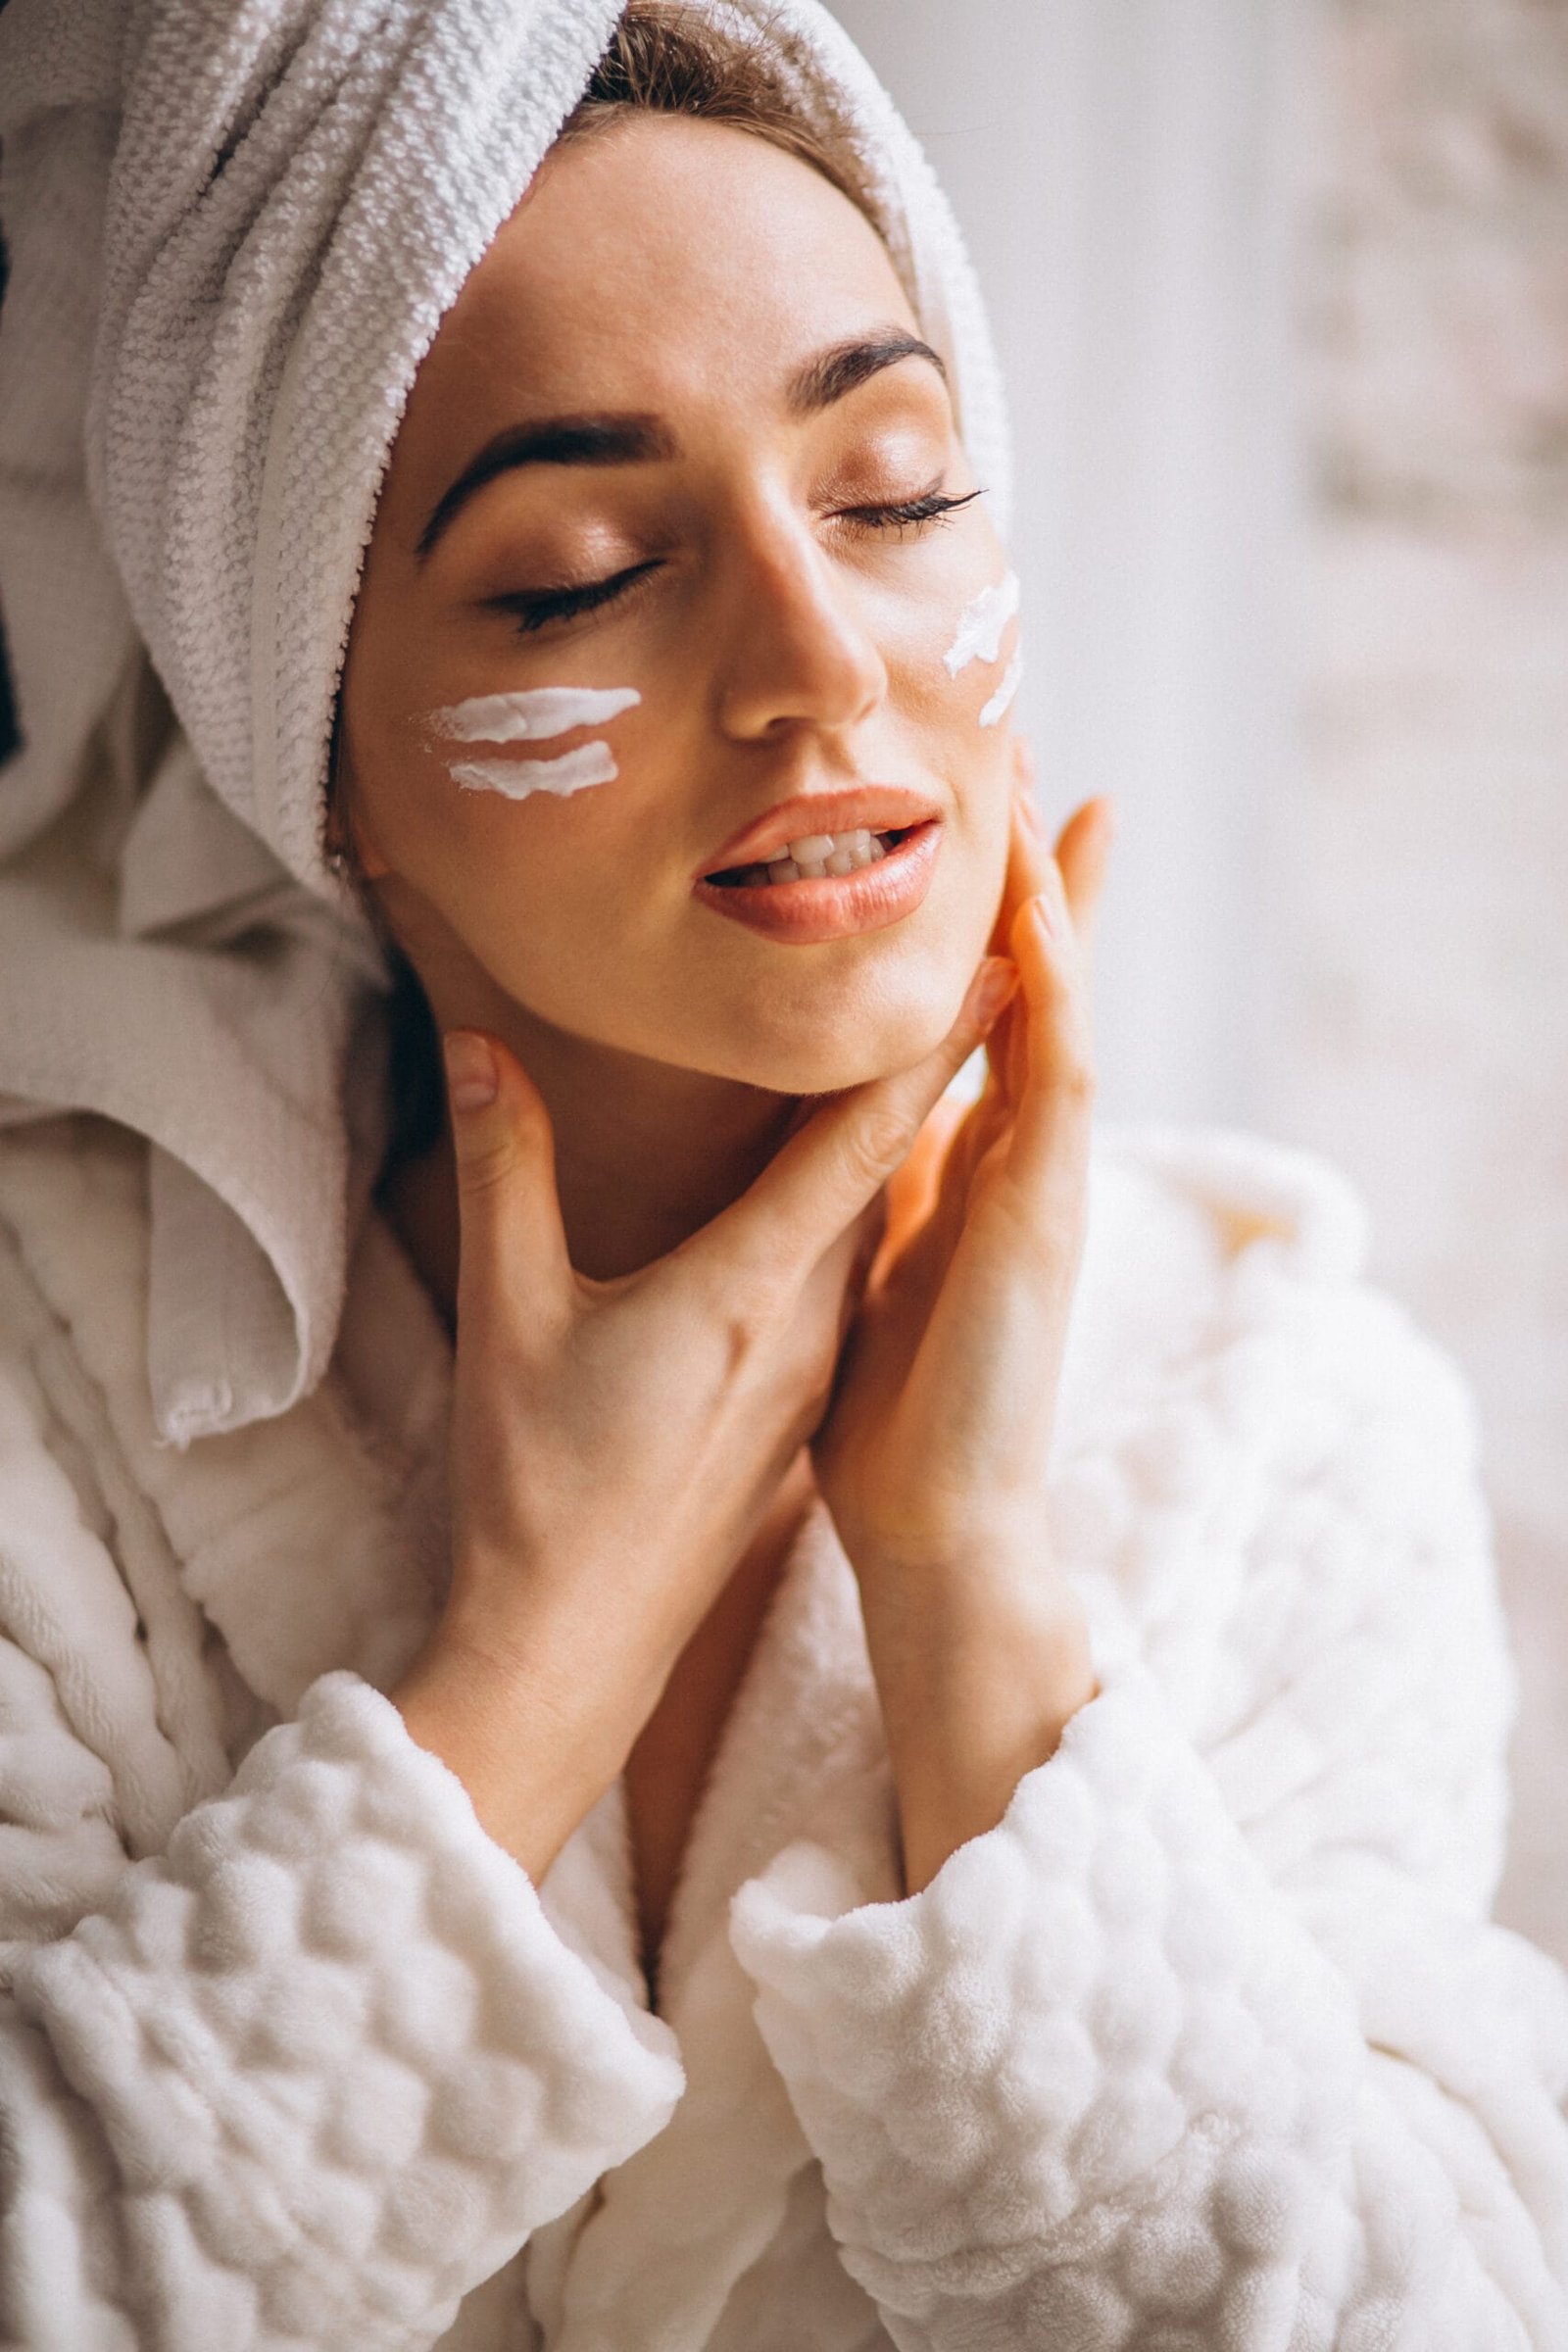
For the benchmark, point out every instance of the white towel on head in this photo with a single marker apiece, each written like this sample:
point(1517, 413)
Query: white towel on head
point(234, 226)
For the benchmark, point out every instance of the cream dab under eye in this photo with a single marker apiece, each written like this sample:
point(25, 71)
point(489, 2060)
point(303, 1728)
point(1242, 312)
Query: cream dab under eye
point(979, 638)
point(533, 717)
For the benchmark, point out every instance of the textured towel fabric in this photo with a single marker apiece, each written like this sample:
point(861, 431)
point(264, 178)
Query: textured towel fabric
point(343, 2063)
point(1209, 2043)
point(234, 226)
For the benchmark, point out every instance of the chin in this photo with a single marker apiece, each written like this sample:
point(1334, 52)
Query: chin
point(823, 1058)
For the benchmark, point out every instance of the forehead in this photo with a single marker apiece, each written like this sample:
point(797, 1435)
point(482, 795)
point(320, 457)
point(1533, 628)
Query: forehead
point(657, 262)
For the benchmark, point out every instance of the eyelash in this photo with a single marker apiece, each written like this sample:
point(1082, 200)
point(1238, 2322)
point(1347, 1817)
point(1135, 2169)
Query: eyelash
point(537, 609)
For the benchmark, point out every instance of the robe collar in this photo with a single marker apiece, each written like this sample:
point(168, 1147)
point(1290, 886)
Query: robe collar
point(802, 1752)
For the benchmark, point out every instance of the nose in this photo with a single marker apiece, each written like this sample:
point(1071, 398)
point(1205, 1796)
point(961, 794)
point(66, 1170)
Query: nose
point(795, 650)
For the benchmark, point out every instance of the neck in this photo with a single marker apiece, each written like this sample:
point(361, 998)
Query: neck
point(646, 1153)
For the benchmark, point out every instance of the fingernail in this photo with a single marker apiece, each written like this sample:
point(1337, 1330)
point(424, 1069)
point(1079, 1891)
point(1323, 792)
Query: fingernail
point(472, 1075)
point(1042, 915)
point(993, 985)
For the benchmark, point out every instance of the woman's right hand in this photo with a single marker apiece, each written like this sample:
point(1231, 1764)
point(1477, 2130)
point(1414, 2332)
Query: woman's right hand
point(615, 1444)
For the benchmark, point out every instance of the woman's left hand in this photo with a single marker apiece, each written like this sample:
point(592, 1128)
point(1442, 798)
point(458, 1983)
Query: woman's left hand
point(933, 1454)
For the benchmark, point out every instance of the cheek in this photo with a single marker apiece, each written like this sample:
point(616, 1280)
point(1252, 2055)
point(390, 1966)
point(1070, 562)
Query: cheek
point(958, 662)
point(489, 742)
point(984, 657)
point(954, 737)
point(543, 875)
point(502, 784)
point(484, 786)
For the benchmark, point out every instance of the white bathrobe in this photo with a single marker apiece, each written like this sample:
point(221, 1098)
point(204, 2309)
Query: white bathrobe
point(1209, 2043)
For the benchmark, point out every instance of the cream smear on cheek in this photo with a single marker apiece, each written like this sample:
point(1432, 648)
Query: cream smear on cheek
point(1005, 693)
point(981, 625)
point(531, 717)
point(516, 779)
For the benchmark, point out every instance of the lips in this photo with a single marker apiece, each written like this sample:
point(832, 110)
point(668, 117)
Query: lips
point(877, 808)
point(813, 910)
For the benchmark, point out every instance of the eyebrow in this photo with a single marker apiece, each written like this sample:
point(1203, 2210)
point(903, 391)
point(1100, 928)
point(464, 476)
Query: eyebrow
point(627, 438)
point(840, 370)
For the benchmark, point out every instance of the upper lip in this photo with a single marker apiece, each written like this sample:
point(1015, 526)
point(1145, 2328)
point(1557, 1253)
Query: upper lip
point(873, 807)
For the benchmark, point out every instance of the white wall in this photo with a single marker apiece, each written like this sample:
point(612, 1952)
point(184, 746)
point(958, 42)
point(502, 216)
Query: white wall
point(1425, 1036)
point(1124, 174)
point(1282, 293)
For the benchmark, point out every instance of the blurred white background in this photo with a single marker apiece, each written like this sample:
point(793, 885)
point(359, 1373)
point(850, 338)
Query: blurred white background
point(1281, 288)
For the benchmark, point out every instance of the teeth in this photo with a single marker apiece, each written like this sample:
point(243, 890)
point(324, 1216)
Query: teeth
point(812, 848)
point(818, 853)
point(815, 855)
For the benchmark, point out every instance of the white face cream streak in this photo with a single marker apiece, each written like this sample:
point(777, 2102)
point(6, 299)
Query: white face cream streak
point(1005, 692)
point(981, 624)
point(529, 718)
point(516, 779)
point(532, 717)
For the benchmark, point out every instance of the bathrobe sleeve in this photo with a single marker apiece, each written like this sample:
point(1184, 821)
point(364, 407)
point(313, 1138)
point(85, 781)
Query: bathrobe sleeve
point(308, 2073)
point(1211, 2041)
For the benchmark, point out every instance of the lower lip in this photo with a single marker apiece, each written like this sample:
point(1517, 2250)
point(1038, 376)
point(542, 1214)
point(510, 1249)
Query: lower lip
point(835, 905)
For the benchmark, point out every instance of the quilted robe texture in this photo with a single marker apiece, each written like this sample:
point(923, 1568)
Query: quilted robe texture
point(1209, 2043)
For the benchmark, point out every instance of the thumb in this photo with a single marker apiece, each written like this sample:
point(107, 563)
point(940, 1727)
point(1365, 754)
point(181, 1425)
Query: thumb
point(512, 1238)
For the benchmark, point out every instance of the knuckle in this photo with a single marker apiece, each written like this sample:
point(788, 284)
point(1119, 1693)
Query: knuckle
point(491, 1159)
point(876, 1143)
point(738, 1333)
point(744, 1305)
point(487, 1165)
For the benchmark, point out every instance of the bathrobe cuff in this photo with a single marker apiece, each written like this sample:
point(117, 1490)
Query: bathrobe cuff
point(1074, 2024)
point(342, 2060)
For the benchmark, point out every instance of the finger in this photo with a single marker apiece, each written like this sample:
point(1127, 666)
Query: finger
point(1052, 1123)
point(923, 1263)
point(871, 1230)
point(836, 1285)
point(911, 1192)
point(828, 1173)
point(1024, 878)
point(1029, 870)
point(1020, 880)
point(1082, 853)
point(512, 1242)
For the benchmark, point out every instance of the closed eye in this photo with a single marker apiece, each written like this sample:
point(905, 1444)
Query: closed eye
point(535, 607)
point(934, 506)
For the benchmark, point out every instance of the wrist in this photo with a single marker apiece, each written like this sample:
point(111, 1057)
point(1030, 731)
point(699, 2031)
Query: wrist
point(977, 1679)
point(534, 1745)
point(928, 1628)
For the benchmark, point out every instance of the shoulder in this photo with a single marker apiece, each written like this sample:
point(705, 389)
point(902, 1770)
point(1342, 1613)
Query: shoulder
point(1252, 1426)
point(1238, 1187)
point(1280, 1455)
point(73, 1247)
point(1279, 1497)
point(1244, 1260)
point(242, 1521)
point(1193, 1203)
point(68, 1181)
point(88, 1618)
point(73, 1296)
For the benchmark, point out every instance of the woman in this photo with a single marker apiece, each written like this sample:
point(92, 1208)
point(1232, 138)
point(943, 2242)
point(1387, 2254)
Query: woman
point(933, 1773)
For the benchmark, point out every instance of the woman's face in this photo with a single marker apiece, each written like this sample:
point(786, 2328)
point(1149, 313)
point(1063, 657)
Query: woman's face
point(722, 540)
